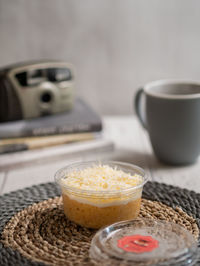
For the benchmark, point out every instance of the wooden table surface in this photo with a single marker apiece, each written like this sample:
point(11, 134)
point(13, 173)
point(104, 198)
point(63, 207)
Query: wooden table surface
point(131, 145)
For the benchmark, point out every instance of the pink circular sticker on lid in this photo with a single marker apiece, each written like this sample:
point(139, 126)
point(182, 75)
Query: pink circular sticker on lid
point(138, 243)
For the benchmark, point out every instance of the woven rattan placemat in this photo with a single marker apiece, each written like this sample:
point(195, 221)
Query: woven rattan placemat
point(34, 230)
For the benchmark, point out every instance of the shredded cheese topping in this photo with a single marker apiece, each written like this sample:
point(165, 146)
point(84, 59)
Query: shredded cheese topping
point(101, 177)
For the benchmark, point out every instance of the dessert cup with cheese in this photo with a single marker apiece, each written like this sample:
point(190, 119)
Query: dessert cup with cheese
point(97, 194)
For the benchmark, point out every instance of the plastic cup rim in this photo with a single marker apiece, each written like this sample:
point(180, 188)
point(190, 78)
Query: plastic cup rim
point(101, 193)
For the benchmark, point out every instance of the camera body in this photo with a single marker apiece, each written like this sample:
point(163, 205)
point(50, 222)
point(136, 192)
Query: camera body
point(34, 89)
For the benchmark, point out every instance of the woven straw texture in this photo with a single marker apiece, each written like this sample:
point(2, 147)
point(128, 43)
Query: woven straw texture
point(34, 230)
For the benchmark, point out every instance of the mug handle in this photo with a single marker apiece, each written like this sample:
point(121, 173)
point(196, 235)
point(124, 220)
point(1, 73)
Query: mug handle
point(137, 101)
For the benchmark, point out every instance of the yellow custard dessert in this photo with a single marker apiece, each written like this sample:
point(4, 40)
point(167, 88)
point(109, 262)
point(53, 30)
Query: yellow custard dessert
point(95, 195)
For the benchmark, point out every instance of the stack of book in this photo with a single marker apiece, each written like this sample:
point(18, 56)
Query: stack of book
point(81, 124)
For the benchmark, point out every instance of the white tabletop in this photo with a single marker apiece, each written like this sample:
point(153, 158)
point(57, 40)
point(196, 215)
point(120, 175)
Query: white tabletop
point(131, 145)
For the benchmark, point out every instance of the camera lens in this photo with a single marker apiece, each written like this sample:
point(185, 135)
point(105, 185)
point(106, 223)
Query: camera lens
point(46, 97)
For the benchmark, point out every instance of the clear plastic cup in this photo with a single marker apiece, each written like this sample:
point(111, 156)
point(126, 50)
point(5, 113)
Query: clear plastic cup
point(94, 209)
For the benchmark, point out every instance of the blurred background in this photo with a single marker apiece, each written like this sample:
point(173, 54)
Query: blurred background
point(116, 46)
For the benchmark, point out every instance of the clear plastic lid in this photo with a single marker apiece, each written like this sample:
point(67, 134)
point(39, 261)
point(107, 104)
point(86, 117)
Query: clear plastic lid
point(144, 242)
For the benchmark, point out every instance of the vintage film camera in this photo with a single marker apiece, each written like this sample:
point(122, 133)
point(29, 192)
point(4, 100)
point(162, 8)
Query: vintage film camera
point(34, 89)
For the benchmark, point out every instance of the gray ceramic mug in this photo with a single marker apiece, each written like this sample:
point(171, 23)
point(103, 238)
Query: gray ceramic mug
point(171, 115)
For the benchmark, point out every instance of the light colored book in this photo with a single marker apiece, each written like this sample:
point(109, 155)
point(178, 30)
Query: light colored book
point(70, 150)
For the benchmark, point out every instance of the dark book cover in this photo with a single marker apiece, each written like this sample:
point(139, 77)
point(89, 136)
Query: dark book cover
point(82, 118)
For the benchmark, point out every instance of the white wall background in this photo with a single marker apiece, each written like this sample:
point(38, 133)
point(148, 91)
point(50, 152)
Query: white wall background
point(115, 45)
